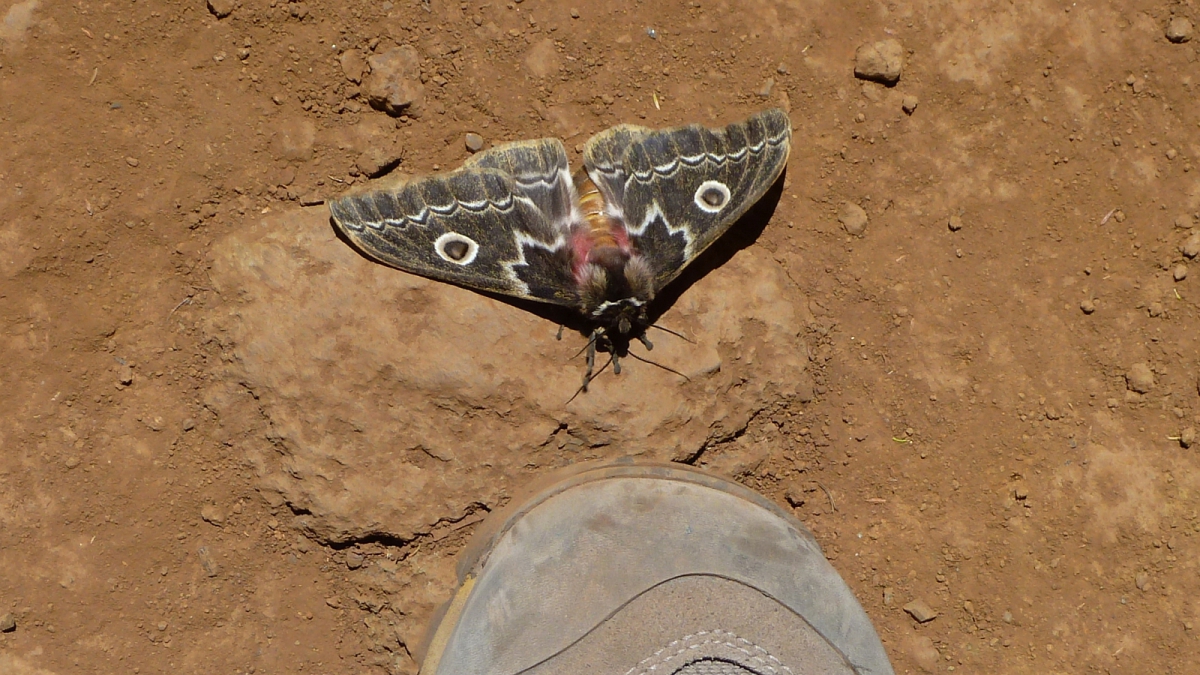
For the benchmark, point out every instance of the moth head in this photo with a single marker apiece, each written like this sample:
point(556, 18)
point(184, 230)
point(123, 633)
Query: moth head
point(616, 295)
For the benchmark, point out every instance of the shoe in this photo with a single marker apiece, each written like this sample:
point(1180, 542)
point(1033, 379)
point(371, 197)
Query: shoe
point(630, 568)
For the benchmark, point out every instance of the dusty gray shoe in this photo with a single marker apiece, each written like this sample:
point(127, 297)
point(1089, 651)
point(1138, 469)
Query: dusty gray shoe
point(627, 568)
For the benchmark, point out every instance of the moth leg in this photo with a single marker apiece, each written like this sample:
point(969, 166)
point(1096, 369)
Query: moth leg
point(616, 364)
point(646, 341)
point(558, 336)
point(591, 359)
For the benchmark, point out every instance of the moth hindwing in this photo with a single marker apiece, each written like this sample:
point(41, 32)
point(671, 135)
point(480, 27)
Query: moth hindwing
point(514, 220)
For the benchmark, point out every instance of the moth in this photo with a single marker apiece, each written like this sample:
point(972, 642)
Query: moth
point(514, 220)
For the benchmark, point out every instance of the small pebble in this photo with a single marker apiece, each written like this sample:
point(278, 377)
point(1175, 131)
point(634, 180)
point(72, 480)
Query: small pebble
point(765, 90)
point(1187, 437)
point(213, 514)
point(8, 623)
point(920, 611)
point(909, 104)
point(924, 653)
point(221, 8)
point(1140, 378)
point(1183, 221)
point(1180, 272)
point(132, 161)
point(354, 560)
point(125, 375)
point(955, 223)
point(1191, 247)
point(880, 62)
point(189, 424)
point(1179, 30)
point(1141, 580)
point(474, 142)
point(853, 218)
point(574, 13)
point(1087, 305)
point(311, 199)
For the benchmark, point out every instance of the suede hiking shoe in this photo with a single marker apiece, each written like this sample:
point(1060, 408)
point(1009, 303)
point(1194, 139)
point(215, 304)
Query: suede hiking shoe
point(628, 568)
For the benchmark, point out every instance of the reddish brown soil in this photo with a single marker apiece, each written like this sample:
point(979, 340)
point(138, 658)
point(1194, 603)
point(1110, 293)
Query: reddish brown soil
point(973, 440)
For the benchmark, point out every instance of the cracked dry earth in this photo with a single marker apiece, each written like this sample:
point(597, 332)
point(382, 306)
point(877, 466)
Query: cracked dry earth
point(231, 445)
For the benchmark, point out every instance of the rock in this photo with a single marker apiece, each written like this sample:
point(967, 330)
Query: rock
point(908, 104)
point(354, 560)
point(378, 160)
point(1156, 309)
point(542, 59)
point(474, 142)
point(854, 218)
point(923, 652)
point(8, 622)
point(1184, 222)
point(394, 85)
point(1087, 305)
point(1179, 29)
point(795, 497)
point(125, 375)
point(221, 8)
point(353, 65)
point(920, 611)
point(765, 90)
point(1180, 272)
point(311, 199)
point(189, 424)
point(1187, 437)
point(1140, 378)
point(880, 62)
point(955, 224)
point(317, 334)
point(132, 161)
point(212, 513)
point(1191, 247)
point(1141, 580)
point(294, 140)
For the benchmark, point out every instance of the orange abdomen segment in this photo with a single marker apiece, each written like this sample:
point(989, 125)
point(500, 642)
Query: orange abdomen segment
point(602, 229)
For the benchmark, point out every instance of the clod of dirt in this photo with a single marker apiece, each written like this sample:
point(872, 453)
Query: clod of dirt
point(1140, 378)
point(955, 223)
point(394, 85)
point(353, 65)
point(354, 560)
point(880, 62)
point(1191, 247)
point(378, 160)
point(8, 622)
point(1156, 309)
point(125, 375)
point(1141, 580)
point(221, 8)
point(294, 140)
point(1180, 272)
point(474, 142)
point(920, 611)
point(768, 86)
point(1184, 222)
point(1187, 437)
point(909, 104)
point(1179, 30)
point(923, 651)
point(854, 218)
point(1087, 305)
point(542, 59)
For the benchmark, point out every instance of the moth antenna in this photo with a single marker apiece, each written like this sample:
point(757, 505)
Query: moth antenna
point(666, 368)
point(591, 377)
point(645, 341)
point(668, 330)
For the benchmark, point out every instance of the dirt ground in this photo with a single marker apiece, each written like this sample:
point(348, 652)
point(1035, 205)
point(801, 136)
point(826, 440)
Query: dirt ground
point(982, 403)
